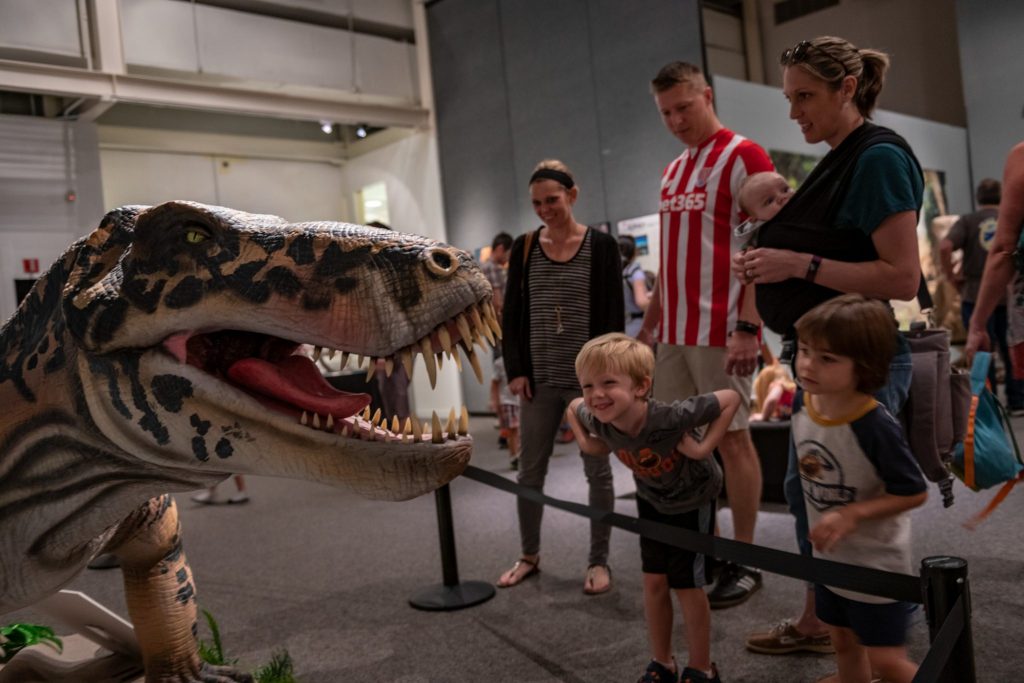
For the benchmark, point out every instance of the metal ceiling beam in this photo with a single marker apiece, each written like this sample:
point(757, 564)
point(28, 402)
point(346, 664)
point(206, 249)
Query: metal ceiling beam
point(243, 98)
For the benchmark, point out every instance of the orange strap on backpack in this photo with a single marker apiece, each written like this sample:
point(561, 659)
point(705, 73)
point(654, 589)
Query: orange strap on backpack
point(1004, 490)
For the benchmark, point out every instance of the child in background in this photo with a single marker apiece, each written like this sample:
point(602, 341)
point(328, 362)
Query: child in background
point(774, 390)
point(859, 478)
point(677, 481)
point(506, 405)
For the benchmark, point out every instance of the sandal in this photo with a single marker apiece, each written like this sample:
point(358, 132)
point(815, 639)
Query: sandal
point(512, 573)
point(588, 584)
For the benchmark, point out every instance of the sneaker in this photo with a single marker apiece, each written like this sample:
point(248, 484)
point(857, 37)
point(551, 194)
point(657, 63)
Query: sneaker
point(657, 672)
point(513, 464)
point(696, 676)
point(238, 499)
point(735, 584)
point(206, 498)
point(783, 639)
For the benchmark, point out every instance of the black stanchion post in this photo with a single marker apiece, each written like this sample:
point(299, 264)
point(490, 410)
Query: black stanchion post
point(450, 595)
point(944, 579)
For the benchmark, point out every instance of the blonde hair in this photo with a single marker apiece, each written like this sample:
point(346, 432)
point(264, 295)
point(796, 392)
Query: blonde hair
point(617, 352)
point(833, 59)
point(771, 373)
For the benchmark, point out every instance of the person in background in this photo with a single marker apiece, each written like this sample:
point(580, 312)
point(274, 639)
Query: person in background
point(495, 270)
point(1001, 264)
point(676, 478)
point(972, 235)
point(856, 215)
point(563, 289)
point(703, 318)
point(774, 390)
point(859, 479)
point(209, 496)
point(634, 285)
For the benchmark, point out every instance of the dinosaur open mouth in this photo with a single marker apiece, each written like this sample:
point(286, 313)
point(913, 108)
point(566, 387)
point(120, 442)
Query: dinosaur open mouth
point(281, 376)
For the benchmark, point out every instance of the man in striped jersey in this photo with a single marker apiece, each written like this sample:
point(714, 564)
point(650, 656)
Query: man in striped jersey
point(703, 319)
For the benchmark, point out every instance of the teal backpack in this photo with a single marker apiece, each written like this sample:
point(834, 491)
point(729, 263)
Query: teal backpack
point(989, 454)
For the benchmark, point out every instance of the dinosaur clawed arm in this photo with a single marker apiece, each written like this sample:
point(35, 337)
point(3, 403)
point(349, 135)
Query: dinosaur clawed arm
point(161, 596)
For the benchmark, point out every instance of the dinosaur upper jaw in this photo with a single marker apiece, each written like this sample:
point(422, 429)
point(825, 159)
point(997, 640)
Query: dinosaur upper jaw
point(226, 401)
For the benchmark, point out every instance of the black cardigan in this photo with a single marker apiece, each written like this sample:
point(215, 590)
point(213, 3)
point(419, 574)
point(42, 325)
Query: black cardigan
point(607, 310)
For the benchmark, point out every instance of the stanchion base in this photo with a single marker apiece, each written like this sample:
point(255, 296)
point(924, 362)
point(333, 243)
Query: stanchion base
point(442, 598)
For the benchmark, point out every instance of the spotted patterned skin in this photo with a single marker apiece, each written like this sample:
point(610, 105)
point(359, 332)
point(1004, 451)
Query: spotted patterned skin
point(103, 419)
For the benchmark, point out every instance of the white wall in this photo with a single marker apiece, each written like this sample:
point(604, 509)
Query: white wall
point(761, 113)
point(409, 169)
point(167, 34)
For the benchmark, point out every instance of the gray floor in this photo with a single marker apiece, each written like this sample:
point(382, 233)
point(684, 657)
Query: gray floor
point(327, 575)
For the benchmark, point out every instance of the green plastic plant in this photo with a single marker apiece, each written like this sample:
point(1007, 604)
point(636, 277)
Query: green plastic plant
point(213, 653)
point(17, 637)
point(280, 669)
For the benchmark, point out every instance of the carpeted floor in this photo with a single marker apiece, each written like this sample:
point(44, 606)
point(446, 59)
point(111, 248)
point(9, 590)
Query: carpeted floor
point(327, 575)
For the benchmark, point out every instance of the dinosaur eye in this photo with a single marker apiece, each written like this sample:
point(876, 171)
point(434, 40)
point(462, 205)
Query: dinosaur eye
point(195, 236)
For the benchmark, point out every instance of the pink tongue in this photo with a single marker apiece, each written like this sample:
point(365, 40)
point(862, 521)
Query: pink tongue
point(296, 381)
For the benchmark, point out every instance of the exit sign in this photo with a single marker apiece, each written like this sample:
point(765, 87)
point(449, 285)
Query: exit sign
point(30, 265)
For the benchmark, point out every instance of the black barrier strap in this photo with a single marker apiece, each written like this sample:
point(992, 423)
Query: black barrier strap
point(942, 644)
point(827, 572)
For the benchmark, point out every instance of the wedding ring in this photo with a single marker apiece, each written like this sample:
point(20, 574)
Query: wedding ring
point(750, 273)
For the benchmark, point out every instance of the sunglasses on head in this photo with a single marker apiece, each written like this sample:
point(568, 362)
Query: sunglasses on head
point(798, 54)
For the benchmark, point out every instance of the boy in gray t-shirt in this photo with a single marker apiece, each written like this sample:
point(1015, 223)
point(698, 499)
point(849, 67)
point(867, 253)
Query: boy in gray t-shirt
point(676, 478)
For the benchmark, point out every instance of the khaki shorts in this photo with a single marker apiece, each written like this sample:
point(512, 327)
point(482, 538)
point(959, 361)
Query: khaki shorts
point(684, 371)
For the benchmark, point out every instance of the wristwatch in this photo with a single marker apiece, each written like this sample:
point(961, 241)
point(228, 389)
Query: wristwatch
point(812, 268)
point(748, 327)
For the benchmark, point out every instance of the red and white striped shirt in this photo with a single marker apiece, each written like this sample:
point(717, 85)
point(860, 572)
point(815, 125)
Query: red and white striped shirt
point(699, 294)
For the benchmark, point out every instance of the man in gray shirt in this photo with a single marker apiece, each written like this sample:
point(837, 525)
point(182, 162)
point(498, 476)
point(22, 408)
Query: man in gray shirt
point(972, 235)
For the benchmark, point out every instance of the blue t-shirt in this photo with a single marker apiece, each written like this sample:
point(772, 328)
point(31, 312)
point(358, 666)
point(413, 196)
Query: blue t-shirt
point(885, 181)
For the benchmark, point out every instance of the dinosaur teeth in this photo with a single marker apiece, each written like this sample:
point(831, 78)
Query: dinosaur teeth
point(371, 370)
point(475, 362)
point(428, 360)
point(366, 413)
point(457, 358)
point(464, 422)
point(449, 426)
point(316, 420)
point(375, 420)
point(491, 318)
point(463, 325)
point(331, 353)
point(479, 326)
point(330, 422)
point(344, 360)
point(304, 419)
point(389, 367)
point(417, 430)
point(440, 359)
point(396, 426)
point(436, 436)
point(317, 350)
point(445, 339)
point(408, 358)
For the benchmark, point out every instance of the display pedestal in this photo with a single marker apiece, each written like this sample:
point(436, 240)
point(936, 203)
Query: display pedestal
point(450, 595)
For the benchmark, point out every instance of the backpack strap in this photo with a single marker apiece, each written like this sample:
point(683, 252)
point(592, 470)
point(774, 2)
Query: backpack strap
point(527, 246)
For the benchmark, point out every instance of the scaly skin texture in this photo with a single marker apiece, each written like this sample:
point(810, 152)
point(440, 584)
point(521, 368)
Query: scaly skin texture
point(121, 382)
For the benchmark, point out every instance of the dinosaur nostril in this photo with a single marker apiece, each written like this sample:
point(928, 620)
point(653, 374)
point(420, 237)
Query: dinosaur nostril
point(442, 261)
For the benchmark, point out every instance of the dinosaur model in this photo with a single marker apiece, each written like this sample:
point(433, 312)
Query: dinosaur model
point(164, 352)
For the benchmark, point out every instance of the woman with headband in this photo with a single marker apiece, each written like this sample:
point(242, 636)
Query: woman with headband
point(563, 289)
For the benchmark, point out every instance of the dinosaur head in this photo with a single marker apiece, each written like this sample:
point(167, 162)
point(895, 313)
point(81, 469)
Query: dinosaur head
point(197, 328)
